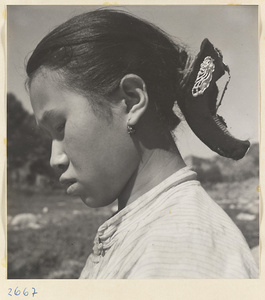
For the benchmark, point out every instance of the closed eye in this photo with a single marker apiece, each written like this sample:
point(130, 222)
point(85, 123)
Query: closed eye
point(54, 121)
point(60, 127)
point(42, 130)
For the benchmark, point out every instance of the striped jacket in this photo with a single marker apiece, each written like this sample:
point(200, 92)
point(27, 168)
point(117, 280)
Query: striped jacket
point(174, 230)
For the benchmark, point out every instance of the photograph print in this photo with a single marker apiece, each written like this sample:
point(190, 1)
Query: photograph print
point(132, 142)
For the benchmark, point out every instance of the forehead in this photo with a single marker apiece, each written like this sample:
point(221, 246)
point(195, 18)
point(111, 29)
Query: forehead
point(49, 91)
point(46, 90)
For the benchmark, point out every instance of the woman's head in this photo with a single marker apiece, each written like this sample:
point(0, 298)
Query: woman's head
point(95, 157)
point(94, 51)
point(90, 78)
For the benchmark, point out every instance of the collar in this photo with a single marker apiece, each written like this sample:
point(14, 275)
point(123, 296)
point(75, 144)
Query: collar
point(109, 230)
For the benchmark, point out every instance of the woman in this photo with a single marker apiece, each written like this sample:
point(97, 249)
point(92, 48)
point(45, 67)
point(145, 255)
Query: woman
point(103, 85)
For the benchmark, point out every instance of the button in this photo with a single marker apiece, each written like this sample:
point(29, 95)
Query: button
point(101, 230)
point(95, 259)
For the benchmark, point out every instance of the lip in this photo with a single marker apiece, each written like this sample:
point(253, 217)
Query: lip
point(70, 184)
point(73, 189)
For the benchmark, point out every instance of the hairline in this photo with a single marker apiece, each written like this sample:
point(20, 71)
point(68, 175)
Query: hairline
point(101, 108)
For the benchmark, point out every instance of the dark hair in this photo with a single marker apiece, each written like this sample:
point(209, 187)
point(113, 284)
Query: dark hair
point(94, 50)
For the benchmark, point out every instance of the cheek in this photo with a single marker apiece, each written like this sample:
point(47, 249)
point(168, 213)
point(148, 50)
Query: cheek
point(79, 142)
point(101, 154)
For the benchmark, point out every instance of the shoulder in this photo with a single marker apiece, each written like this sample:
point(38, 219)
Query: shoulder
point(192, 237)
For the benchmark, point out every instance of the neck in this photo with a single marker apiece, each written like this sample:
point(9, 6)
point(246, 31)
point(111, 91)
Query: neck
point(155, 166)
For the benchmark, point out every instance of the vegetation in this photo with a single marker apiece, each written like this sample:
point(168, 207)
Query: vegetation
point(28, 149)
point(59, 247)
point(50, 235)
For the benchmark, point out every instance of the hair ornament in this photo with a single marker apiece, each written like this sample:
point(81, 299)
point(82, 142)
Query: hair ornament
point(199, 81)
point(204, 76)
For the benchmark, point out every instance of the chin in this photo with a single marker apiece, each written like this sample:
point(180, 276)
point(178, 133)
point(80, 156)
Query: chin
point(93, 202)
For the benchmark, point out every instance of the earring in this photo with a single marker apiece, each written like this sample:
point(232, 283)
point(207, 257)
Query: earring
point(130, 129)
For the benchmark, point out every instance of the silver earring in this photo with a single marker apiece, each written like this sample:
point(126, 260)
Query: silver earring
point(130, 129)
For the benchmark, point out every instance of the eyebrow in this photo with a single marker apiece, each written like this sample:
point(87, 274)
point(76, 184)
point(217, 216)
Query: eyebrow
point(47, 115)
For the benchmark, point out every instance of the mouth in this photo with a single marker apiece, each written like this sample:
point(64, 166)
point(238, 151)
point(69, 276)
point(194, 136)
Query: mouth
point(73, 189)
point(71, 186)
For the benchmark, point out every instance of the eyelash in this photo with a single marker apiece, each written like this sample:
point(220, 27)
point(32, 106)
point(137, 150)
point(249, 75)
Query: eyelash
point(60, 127)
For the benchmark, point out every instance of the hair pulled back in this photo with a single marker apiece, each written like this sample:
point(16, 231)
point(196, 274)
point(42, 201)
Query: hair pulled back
point(95, 50)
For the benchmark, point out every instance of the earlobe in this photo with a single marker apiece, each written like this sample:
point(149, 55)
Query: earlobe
point(136, 98)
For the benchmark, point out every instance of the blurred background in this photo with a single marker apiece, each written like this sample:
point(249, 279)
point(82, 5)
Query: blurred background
point(50, 234)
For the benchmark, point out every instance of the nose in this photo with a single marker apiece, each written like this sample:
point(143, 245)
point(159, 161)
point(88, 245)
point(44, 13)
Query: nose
point(59, 160)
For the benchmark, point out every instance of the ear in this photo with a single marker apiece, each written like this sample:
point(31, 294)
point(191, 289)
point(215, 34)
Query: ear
point(134, 90)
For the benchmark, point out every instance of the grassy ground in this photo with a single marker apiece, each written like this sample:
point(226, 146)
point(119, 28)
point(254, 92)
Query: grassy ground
point(62, 238)
point(59, 248)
